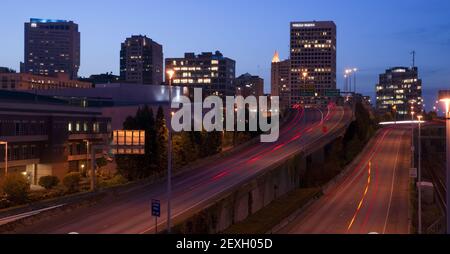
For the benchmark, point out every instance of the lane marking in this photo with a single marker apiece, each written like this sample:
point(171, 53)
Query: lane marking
point(363, 197)
point(392, 190)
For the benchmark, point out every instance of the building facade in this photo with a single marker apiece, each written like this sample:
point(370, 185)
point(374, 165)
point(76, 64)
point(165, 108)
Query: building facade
point(141, 61)
point(26, 81)
point(312, 59)
point(280, 74)
point(398, 90)
point(249, 85)
point(46, 136)
point(51, 47)
point(211, 71)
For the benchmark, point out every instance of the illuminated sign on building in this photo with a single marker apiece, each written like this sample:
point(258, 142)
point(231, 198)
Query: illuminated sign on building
point(128, 142)
point(303, 25)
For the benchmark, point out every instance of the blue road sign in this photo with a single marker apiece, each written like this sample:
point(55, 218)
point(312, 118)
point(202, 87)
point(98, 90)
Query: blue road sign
point(156, 208)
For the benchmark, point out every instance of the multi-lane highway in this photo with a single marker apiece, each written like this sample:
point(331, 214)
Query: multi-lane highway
point(195, 189)
point(372, 198)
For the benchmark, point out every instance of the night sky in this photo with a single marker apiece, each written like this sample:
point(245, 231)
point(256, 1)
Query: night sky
point(372, 35)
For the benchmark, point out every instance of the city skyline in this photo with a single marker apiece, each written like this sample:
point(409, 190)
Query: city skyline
point(390, 35)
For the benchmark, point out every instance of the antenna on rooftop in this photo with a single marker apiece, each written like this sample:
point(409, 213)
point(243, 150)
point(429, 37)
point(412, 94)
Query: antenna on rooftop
point(413, 53)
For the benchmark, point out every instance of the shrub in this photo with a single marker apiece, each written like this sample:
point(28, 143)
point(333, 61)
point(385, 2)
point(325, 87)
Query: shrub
point(115, 181)
point(48, 182)
point(72, 181)
point(16, 188)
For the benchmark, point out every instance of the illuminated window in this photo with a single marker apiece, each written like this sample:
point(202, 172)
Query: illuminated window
point(69, 126)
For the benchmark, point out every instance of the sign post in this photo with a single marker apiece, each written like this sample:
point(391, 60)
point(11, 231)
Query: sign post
point(156, 212)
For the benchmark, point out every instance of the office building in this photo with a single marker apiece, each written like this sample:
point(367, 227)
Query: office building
point(46, 136)
point(26, 81)
point(249, 85)
point(313, 60)
point(211, 71)
point(398, 89)
point(280, 74)
point(51, 47)
point(141, 61)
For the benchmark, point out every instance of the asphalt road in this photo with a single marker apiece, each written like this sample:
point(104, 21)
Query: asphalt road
point(194, 190)
point(372, 198)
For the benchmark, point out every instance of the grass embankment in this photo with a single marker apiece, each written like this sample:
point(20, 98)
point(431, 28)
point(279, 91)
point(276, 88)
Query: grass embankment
point(268, 217)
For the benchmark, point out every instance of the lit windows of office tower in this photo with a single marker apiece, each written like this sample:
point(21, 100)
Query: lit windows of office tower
point(52, 47)
point(141, 61)
point(313, 59)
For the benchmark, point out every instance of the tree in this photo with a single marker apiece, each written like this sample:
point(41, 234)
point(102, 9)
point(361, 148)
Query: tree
point(161, 133)
point(140, 166)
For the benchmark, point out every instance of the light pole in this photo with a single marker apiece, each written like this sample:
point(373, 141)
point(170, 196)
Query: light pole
point(169, 152)
point(304, 76)
point(354, 79)
point(412, 137)
point(394, 108)
point(419, 173)
point(347, 76)
point(87, 153)
point(444, 96)
point(6, 155)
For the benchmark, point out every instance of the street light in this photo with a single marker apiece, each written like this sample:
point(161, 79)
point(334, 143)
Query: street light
point(170, 73)
point(419, 173)
point(354, 79)
point(6, 155)
point(444, 96)
point(394, 108)
point(304, 77)
point(412, 135)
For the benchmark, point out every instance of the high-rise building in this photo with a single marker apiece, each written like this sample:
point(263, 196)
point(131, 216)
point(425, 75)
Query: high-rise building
point(398, 90)
point(249, 85)
point(141, 61)
point(280, 74)
point(313, 60)
point(211, 71)
point(51, 47)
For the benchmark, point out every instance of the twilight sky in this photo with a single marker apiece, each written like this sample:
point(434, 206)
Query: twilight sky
point(372, 35)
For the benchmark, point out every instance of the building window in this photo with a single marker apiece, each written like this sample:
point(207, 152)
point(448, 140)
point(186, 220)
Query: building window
point(77, 127)
point(69, 127)
point(16, 151)
point(96, 127)
point(85, 127)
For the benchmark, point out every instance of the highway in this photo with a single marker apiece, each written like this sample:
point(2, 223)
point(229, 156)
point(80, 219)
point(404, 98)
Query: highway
point(372, 198)
point(196, 189)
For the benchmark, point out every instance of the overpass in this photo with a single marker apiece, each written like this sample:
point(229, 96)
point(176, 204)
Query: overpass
point(220, 193)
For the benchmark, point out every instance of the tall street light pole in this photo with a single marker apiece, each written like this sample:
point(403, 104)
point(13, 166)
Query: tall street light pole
point(6, 155)
point(444, 96)
point(170, 73)
point(419, 173)
point(412, 137)
point(354, 79)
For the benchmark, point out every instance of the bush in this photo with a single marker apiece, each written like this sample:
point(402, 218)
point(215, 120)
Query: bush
point(16, 188)
point(72, 181)
point(115, 181)
point(48, 182)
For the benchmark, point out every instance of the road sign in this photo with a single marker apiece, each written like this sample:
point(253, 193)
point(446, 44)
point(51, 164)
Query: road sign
point(156, 208)
point(413, 172)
